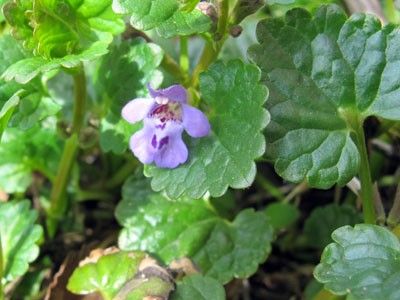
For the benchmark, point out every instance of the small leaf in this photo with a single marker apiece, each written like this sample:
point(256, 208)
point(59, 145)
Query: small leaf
point(11, 92)
point(107, 275)
point(146, 14)
point(326, 74)
point(120, 76)
point(198, 287)
point(223, 250)
point(282, 215)
point(324, 220)
point(54, 29)
point(22, 152)
point(164, 16)
point(19, 237)
point(364, 262)
point(25, 70)
point(184, 23)
point(226, 157)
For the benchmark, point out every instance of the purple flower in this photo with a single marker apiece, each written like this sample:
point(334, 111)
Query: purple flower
point(165, 115)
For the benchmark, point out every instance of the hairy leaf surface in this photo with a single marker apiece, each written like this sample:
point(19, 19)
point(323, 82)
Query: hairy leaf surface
point(326, 74)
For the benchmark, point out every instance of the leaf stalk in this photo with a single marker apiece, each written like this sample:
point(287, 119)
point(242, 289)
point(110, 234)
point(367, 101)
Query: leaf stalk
point(58, 201)
point(367, 190)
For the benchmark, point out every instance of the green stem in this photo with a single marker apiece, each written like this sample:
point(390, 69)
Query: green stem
point(212, 49)
point(58, 201)
point(1, 271)
point(367, 191)
point(184, 55)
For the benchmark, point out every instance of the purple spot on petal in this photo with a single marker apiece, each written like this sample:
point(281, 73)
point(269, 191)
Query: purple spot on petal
point(154, 141)
point(163, 142)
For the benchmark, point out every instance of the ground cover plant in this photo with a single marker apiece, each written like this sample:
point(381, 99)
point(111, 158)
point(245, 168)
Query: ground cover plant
point(199, 150)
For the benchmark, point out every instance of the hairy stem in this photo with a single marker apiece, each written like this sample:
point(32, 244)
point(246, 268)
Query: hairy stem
point(367, 191)
point(58, 201)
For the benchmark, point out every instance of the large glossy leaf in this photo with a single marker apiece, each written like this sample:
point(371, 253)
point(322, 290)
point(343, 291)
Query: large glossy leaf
point(364, 262)
point(22, 152)
point(19, 237)
point(164, 16)
point(324, 220)
point(326, 74)
point(198, 287)
point(223, 250)
point(226, 157)
point(120, 76)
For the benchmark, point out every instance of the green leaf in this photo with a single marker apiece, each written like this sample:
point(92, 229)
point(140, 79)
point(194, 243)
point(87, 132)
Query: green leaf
point(326, 74)
point(33, 109)
point(226, 157)
point(25, 70)
point(223, 250)
point(324, 220)
point(364, 262)
point(120, 76)
point(146, 14)
point(282, 215)
point(19, 237)
point(184, 23)
point(107, 275)
point(164, 16)
point(198, 287)
point(9, 91)
point(56, 28)
point(22, 152)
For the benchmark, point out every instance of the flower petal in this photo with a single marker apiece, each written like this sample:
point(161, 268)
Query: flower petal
point(175, 93)
point(195, 121)
point(140, 144)
point(137, 109)
point(172, 152)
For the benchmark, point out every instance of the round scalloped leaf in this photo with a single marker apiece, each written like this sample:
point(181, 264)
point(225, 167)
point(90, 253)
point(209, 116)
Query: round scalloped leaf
point(326, 74)
point(226, 157)
point(198, 287)
point(19, 237)
point(364, 262)
point(190, 228)
point(107, 275)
